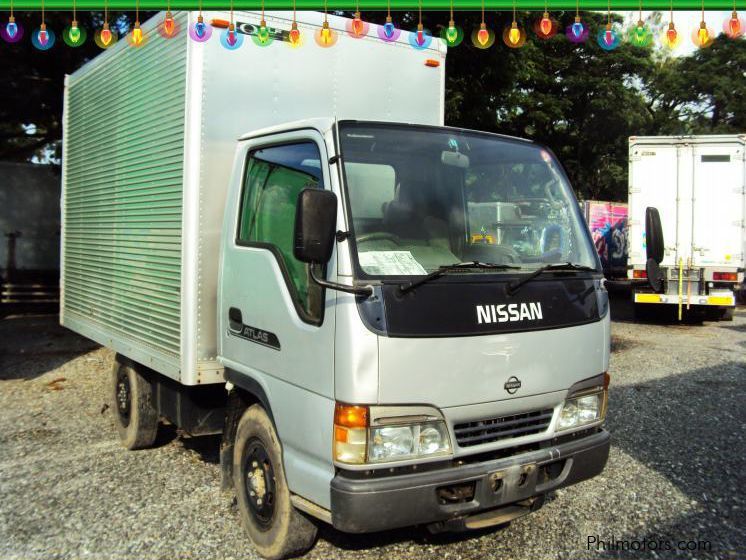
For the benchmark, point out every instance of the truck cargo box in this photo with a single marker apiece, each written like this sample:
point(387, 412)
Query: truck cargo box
point(149, 138)
point(698, 184)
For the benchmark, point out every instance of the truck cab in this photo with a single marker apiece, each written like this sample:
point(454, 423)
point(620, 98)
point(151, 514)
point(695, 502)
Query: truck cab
point(414, 329)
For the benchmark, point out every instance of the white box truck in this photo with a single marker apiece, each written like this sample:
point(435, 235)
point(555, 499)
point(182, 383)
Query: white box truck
point(279, 245)
point(698, 186)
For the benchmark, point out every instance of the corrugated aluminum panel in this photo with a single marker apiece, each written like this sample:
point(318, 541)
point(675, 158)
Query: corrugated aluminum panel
point(122, 205)
point(150, 134)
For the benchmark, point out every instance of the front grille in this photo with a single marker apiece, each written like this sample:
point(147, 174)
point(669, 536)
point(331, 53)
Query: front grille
point(505, 427)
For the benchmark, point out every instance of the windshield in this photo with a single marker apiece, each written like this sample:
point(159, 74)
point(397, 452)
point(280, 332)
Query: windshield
point(421, 198)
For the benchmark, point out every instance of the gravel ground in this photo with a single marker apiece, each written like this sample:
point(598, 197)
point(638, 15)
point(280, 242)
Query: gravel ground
point(676, 471)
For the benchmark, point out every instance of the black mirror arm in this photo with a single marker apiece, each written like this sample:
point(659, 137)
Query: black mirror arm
point(356, 290)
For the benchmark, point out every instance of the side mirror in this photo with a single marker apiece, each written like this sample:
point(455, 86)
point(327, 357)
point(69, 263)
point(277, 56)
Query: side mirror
point(315, 225)
point(653, 235)
point(315, 235)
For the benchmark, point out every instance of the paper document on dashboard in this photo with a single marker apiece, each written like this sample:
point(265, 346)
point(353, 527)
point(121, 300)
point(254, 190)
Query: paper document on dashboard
point(390, 263)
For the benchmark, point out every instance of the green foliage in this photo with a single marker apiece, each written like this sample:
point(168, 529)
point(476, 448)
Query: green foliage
point(31, 97)
point(584, 102)
point(579, 100)
point(706, 91)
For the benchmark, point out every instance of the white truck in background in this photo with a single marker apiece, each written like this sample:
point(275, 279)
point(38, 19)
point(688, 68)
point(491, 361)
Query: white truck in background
point(698, 186)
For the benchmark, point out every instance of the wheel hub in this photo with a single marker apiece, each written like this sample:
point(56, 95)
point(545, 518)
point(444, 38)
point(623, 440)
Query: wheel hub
point(123, 397)
point(257, 481)
point(260, 483)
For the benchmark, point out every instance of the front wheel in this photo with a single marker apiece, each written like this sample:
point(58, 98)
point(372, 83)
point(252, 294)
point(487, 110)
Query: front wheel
point(276, 528)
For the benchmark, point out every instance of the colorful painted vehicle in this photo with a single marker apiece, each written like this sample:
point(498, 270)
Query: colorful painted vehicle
point(608, 224)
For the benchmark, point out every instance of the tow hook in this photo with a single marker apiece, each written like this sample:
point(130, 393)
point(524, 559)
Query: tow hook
point(526, 471)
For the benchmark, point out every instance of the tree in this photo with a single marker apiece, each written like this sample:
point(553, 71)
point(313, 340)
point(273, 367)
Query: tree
point(31, 98)
point(706, 91)
point(579, 100)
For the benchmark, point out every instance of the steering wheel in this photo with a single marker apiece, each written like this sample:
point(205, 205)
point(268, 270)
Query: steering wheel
point(509, 253)
point(489, 252)
point(548, 190)
point(377, 236)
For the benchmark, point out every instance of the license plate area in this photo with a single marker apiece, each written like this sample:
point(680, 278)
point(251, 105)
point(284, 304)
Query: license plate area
point(514, 483)
point(686, 274)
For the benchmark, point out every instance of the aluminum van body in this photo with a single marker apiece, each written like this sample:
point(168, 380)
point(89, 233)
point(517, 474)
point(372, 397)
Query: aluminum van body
point(164, 159)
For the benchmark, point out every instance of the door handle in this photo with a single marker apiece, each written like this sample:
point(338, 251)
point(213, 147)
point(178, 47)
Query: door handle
point(235, 317)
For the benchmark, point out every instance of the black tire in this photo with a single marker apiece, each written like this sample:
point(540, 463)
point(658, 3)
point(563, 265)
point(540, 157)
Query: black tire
point(132, 397)
point(713, 313)
point(275, 527)
point(727, 314)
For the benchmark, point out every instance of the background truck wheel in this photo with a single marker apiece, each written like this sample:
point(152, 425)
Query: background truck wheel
point(727, 314)
point(276, 528)
point(134, 413)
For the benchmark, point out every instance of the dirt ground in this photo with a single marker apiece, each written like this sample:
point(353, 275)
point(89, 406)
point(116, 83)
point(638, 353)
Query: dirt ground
point(675, 477)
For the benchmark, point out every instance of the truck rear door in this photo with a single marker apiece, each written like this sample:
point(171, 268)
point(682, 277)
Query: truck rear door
point(717, 204)
point(654, 181)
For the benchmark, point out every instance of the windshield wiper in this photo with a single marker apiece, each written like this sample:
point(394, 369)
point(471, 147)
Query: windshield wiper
point(451, 267)
point(513, 287)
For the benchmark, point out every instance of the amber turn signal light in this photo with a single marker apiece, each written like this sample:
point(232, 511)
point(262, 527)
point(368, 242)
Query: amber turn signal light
point(350, 433)
point(351, 416)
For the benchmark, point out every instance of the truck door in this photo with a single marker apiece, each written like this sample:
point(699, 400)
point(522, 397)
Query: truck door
point(717, 204)
point(277, 325)
point(654, 181)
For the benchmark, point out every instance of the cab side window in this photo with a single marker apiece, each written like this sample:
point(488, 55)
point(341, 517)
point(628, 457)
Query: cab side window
point(274, 177)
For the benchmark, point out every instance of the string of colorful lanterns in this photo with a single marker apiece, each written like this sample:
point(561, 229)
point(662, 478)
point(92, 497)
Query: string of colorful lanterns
point(577, 32)
point(670, 38)
point(609, 36)
point(546, 27)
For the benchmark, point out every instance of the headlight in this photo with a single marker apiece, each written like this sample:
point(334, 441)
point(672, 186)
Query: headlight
point(414, 437)
point(408, 442)
point(582, 410)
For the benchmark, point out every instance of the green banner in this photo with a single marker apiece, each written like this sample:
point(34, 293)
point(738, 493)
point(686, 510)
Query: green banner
point(368, 5)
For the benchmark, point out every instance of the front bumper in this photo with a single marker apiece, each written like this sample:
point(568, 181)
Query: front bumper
point(368, 505)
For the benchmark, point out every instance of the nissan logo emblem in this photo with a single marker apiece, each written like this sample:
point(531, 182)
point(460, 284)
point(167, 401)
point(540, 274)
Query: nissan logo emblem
point(512, 385)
